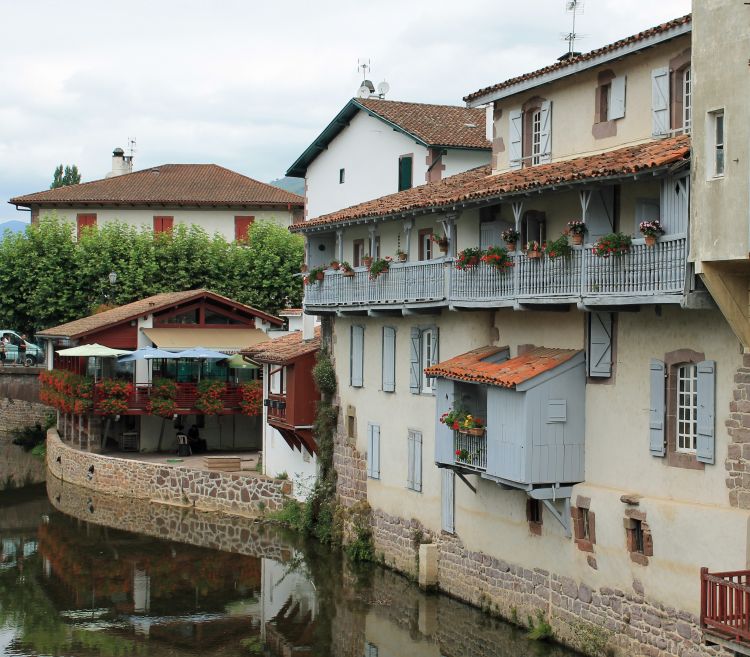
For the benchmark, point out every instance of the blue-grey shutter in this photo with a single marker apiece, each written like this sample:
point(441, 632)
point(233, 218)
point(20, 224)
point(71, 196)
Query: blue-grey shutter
point(545, 132)
point(706, 418)
point(415, 354)
point(600, 345)
point(515, 139)
point(389, 359)
point(373, 450)
point(418, 461)
point(660, 101)
point(656, 408)
point(435, 351)
point(447, 489)
point(410, 460)
point(444, 450)
point(357, 355)
point(616, 108)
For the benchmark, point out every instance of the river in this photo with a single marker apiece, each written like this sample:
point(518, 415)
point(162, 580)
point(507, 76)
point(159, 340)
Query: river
point(84, 575)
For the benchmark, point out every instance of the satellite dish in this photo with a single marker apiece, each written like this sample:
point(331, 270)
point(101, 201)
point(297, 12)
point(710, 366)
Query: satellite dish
point(383, 88)
point(363, 92)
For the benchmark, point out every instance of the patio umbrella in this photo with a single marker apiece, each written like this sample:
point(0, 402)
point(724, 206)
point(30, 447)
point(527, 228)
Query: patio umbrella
point(93, 350)
point(201, 354)
point(146, 353)
point(237, 362)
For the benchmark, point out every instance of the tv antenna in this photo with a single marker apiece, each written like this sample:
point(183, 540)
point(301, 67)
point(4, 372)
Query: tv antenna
point(367, 88)
point(574, 7)
point(131, 147)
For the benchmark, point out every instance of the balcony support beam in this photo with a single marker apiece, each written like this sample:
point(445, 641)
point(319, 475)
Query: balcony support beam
point(463, 478)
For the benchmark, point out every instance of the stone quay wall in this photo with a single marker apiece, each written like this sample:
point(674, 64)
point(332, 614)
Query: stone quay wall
point(599, 622)
point(236, 493)
point(19, 399)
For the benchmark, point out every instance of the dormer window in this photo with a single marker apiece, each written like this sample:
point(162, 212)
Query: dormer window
point(531, 134)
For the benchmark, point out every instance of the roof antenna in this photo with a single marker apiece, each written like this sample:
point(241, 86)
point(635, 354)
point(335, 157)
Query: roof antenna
point(367, 88)
point(574, 7)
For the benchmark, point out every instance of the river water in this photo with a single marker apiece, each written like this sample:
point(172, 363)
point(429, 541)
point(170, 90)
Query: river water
point(84, 574)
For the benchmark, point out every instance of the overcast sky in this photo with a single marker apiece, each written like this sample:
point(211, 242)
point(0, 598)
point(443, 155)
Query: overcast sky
point(249, 84)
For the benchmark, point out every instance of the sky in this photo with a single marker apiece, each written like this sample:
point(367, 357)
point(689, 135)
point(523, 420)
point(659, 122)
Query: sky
point(249, 84)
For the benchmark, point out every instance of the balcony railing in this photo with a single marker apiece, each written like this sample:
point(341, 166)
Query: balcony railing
point(645, 273)
point(276, 407)
point(187, 395)
point(470, 451)
point(725, 604)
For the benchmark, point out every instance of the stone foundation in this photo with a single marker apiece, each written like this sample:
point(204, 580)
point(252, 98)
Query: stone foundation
point(243, 493)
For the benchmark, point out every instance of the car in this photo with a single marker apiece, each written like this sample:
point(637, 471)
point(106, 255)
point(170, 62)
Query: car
point(34, 353)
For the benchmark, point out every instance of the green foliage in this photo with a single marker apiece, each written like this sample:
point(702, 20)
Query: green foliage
point(65, 176)
point(558, 248)
point(40, 451)
point(361, 548)
point(324, 373)
point(252, 646)
point(48, 277)
point(591, 639)
point(541, 630)
point(612, 244)
point(283, 476)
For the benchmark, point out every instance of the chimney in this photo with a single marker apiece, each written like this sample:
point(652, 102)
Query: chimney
point(308, 326)
point(121, 163)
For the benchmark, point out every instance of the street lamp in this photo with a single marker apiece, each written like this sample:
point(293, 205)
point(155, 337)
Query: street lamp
point(112, 280)
point(112, 277)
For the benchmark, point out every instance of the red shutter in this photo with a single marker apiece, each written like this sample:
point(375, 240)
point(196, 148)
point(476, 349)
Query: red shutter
point(163, 224)
point(84, 221)
point(242, 227)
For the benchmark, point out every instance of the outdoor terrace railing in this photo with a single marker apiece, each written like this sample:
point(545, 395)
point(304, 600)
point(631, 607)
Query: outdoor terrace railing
point(644, 271)
point(276, 407)
point(187, 395)
point(470, 451)
point(725, 604)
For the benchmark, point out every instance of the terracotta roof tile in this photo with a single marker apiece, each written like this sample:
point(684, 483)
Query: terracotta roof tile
point(478, 183)
point(436, 125)
point(284, 349)
point(473, 368)
point(86, 325)
point(189, 184)
point(617, 45)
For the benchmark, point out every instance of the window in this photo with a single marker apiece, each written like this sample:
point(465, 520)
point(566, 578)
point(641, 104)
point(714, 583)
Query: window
point(530, 134)
point(356, 356)
point(687, 96)
point(277, 381)
point(373, 450)
point(371, 650)
point(414, 461)
point(376, 247)
point(605, 92)
point(583, 524)
point(163, 224)
point(424, 353)
point(188, 317)
point(637, 545)
point(84, 221)
point(405, 168)
point(342, 176)
point(428, 358)
point(425, 244)
point(533, 227)
point(536, 136)
point(718, 139)
point(638, 536)
point(242, 228)
point(534, 515)
point(687, 407)
point(389, 359)
point(359, 253)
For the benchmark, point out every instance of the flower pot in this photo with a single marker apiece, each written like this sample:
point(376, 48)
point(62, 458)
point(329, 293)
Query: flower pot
point(303, 268)
point(533, 255)
point(443, 248)
point(477, 431)
point(319, 276)
point(335, 266)
point(349, 273)
point(650, 240)
point(511, 246)
point(576, 239)
point(366, 261)
point(402, 257)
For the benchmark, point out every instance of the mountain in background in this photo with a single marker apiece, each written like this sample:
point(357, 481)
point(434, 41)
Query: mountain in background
point(14, 226)
point(294, 185)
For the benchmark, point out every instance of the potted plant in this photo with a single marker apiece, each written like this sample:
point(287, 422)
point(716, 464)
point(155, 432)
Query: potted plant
point(650, 231)
point(469, 258)
point(366, 261)
point(510, 237)
point(462, 455)
point(497, 257)
point(380, 266)
point(442, 242)
point(558, 248)
point(472, 425)
point(576, 229)
point(401, 255)
point(453, 418)
point(334, 265)
point(315, 275)
point(612, 244)
point(534, 250)
point(346, 269)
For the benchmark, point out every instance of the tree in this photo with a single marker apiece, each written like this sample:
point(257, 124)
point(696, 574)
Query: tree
point(65, 176)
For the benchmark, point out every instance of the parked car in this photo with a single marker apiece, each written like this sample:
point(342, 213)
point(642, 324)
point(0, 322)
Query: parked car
point(34, 353)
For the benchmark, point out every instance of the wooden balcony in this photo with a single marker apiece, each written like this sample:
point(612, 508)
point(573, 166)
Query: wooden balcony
point(725, 608)
point(469, 451)
point(645, 274)
point(187, 394)
point(276, 407)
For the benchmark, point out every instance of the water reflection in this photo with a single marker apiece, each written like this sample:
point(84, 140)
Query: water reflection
point(85, 575)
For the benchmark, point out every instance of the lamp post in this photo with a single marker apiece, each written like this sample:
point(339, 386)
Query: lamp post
point(112, 281)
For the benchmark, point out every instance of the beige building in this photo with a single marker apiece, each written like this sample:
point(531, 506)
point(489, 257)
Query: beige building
point(599, 395)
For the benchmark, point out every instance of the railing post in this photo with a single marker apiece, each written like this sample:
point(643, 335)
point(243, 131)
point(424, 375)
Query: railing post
point(516, 275)
point(582, 276)
point(704, 597)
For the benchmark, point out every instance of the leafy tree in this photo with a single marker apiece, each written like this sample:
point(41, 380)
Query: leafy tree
point(65, 176)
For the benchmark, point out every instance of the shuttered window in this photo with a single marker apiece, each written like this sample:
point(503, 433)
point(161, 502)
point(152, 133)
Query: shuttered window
point(599, 353)
point(657, 408)
point(356, 356)
point(163, 224)
point(447, 489)
point(414, 461)
point(545, 133)
point(687, 407)
point(660, 101)
point(515, 140)
point(706, 412)
point(405, 166)
point(84, 221)
point(389, 359)
point(424, 352)
point(616, 105)
point(242, 227)
point(373, 450)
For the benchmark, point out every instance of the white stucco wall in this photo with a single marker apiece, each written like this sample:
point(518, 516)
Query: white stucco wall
point(211, 220)
point(457, 161)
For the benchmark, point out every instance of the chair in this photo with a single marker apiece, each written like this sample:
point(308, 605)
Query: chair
point(183, 446)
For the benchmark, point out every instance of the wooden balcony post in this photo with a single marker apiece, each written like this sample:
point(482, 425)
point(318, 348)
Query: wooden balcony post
point(704, 597)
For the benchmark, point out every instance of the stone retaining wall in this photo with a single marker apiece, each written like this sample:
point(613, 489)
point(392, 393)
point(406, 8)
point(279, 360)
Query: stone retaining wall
point(238, 493)
point(19, 399)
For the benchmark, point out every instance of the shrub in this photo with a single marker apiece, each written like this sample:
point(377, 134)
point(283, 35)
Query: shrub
point(324, 373)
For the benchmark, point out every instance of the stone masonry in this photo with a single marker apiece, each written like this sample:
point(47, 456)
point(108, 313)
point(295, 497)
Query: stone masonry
point(238, 493)
point(19, 399)
point(738, 426)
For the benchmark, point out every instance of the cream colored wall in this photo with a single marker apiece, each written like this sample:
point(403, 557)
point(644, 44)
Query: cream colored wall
point(212, 221)
point(720, 216)
point(573, 105)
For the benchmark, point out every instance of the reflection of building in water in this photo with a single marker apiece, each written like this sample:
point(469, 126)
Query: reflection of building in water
point(290, 608)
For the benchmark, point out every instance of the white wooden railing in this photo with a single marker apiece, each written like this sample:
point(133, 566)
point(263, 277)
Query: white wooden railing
point(642, 272)
point(470, 451)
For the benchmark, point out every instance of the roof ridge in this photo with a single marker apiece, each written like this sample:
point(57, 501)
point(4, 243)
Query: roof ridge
point(409, 102)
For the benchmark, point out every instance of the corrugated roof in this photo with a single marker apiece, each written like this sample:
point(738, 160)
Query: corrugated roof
point(284, 349)
point(593, 54)
point(478, 183)
point(472, 366)
point(91, 323)
point(180, 184)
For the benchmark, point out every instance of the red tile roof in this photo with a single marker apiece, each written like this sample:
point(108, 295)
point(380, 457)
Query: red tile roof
point(436, 125)
point(284, 349)
point(478, 183)
point(472, 368)
point(617, 45)
point(81, 327)
point(181, 184)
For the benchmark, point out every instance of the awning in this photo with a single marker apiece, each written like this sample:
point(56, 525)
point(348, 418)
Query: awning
point(228, 340)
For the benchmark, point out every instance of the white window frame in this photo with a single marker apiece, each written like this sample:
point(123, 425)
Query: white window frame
point(277, 381)
point(427, 245)
point(536, 136)
point(428, 383)
point(687, 408)
point(687, 99)
point(718, 137)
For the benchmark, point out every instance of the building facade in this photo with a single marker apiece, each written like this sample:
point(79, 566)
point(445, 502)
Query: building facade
point(553, 423)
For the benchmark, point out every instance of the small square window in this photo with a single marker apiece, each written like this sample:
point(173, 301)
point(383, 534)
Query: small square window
point(637, 545)
point(342, 176)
